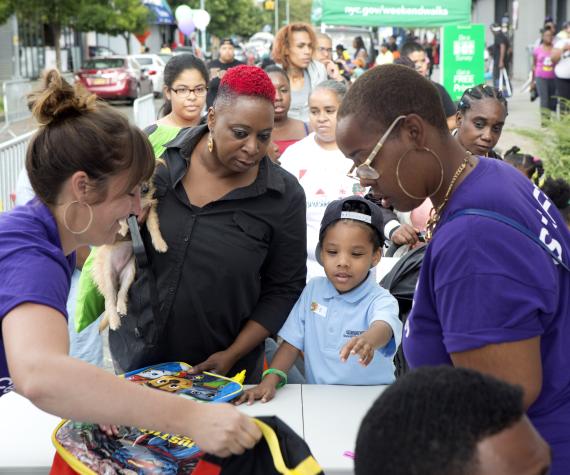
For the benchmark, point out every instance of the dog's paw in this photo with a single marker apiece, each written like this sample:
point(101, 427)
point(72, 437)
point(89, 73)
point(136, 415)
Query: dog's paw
point(122, 307)
point(160, 244)
point(114, 320)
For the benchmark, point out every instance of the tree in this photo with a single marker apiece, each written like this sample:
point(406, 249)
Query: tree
point(115, 17)
point(56, 14)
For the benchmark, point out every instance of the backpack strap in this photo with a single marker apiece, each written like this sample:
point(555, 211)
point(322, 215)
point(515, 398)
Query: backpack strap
point(144, 265)
point(513, 224)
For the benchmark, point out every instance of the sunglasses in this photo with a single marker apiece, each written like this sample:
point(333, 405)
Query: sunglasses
point(365, 171)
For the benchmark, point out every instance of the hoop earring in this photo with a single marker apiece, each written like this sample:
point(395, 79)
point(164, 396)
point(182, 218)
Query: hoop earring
point(210, 143)
point(409, 195)
point(66, 209)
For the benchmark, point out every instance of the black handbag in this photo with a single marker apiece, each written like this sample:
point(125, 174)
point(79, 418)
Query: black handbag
point(135, 344)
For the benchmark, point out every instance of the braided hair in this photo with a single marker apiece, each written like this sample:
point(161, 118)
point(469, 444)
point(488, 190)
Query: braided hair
point(481, 91)
point(531, 166)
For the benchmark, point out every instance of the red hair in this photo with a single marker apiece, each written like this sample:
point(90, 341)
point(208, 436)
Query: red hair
point(247, 81)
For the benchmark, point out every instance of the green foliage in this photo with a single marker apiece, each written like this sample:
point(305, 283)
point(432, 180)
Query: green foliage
point(554, 145)
point(116, 17)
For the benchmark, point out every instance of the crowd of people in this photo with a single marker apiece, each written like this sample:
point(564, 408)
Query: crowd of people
point(276, 191)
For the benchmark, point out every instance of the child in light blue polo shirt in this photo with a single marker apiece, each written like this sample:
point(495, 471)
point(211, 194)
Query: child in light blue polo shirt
point(346, 324)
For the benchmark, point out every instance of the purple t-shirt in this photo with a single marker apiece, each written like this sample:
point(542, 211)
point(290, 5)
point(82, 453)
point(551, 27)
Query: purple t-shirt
point(483, 282)
point(32, 265)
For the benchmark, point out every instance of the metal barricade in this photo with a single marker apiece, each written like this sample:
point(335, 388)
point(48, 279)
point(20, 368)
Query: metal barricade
point(144, 112)
point(15, 93)
point(12, 160)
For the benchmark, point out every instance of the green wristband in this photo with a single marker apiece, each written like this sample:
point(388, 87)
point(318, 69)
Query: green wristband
point(279, 373)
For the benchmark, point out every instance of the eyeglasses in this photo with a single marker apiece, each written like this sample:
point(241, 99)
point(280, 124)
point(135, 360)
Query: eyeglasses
point(199, 91)
point(365, 170)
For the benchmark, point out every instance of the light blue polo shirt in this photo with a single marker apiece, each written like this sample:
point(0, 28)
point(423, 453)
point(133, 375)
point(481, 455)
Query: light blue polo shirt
point(323, 321)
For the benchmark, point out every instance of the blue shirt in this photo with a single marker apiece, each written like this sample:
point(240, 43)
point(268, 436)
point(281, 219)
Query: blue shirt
point(32, 265)
point(483, 282)
point(323, 321)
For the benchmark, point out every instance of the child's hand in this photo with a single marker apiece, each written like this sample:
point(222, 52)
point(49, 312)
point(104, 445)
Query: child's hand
point(110, 430)
point(264, 391)
point(358, 345)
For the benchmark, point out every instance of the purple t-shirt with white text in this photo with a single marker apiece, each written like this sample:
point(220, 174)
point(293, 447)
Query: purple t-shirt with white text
point(33, 267)
point(483, 282)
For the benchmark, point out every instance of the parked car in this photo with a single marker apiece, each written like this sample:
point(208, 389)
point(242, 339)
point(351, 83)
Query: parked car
point(153, 66)
point(96, 51)
point(115, 77)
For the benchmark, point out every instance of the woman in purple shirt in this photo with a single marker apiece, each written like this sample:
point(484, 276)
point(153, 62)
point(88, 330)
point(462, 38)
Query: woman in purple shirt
point(85, 164)
point(543, 77)
point(488, 296)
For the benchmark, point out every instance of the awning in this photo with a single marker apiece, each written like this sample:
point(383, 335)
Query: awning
point(162, 12)
point(409, 13)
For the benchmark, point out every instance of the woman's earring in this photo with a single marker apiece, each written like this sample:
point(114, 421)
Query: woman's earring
point(400, 184)
point(210, 143)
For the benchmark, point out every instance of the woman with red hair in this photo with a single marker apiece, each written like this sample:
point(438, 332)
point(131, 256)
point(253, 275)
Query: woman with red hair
point(293, 49)
point(235, 227)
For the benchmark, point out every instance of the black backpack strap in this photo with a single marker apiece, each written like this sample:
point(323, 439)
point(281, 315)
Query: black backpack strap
point(513, 224)
point(144, 266)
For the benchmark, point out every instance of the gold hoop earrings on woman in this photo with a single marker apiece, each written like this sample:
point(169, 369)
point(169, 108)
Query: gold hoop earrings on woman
point(210, 143)
point(66, 209)
point(410, 195)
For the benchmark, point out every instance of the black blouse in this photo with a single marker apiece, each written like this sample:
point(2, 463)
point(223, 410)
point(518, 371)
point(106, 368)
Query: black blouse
point(238, 258)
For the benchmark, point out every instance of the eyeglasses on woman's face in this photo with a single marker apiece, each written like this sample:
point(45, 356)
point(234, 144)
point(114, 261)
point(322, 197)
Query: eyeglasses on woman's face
point(183, 91)
point(364, 170)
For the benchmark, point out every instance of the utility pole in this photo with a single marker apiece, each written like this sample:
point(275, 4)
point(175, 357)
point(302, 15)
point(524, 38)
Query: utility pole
point(276, 17)
point(15, 48)
point(203, 32)
point(288, 12)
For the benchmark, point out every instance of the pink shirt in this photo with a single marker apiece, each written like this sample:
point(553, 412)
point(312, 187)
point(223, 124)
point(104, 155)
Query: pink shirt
point(544, 67)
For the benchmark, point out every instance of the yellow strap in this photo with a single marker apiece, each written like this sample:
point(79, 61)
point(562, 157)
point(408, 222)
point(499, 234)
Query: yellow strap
point(309, 466)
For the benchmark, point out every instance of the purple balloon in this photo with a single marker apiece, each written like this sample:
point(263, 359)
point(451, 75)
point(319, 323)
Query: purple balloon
point(186, 26)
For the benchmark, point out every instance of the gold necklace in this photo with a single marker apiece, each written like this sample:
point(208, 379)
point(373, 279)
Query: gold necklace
point(435, 213)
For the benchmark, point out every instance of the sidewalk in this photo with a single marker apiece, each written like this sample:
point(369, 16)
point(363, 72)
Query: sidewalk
point(523, 114)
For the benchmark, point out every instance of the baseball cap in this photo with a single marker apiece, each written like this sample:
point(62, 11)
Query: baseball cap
point(227, 41)
point(334, 212)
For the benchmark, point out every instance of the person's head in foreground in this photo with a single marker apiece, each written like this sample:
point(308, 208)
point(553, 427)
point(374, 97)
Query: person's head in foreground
point(480, 118)
point(86, 162)
point(238, 142)
point(350, 241)
point(449, 421)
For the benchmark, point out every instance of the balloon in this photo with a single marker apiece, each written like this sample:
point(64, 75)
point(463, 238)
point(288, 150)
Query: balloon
point(186, 26)
point(183, 12)
point(142, 37)
point(201, 19)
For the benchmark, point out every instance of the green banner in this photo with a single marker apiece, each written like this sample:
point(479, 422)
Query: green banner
point(462, 58)
point(426, 13)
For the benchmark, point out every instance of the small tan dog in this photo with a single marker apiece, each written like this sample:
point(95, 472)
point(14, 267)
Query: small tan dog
point(114, 267)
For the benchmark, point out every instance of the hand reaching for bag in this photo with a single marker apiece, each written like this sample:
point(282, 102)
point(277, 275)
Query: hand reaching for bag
point(265, 391)
point(222, 430)
point(219, 363)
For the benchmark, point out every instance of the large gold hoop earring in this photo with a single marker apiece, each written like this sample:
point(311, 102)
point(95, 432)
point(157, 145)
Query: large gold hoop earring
point(400, 182)
point(210, 143)
point(66, 209)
